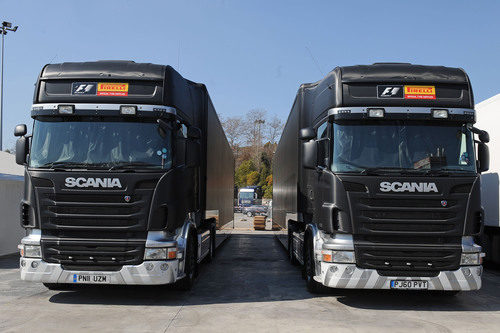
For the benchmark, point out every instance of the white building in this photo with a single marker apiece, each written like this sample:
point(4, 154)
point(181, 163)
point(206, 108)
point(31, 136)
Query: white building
point(11, 191)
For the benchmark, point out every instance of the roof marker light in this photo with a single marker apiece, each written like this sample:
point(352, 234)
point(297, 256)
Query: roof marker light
point(128, 109)
point(66, 109)
point(440, 113)
point(376, 113)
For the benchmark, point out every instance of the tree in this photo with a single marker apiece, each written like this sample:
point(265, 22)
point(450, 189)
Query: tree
point(268, 188)
point(253, 178)
point(233, 127)
point(241, 174)
point(274, 129)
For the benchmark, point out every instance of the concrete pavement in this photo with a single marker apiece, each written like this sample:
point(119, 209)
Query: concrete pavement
point(250, 286)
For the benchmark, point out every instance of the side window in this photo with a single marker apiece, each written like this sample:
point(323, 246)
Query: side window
point(323, 144)
point(182, 131)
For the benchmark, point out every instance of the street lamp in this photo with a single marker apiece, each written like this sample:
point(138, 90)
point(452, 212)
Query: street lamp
point(6, 26)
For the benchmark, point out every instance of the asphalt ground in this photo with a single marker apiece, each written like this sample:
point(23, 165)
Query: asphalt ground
point(249, 287)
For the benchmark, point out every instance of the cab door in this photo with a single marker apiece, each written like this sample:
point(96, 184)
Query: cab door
point(323, 179)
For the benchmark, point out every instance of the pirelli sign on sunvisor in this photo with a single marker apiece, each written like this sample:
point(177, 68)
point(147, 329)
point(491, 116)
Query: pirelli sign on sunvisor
point(100, 88)
point(406, 92)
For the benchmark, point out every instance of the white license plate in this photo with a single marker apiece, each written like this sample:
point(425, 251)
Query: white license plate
point(409, 284)
point(91, 278)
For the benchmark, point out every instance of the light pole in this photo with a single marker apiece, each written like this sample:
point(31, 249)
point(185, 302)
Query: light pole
point(259, 123)
point(6, 26)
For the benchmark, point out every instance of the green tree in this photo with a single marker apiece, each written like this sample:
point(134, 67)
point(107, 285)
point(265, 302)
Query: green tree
point(241, 175)
point(253, 178)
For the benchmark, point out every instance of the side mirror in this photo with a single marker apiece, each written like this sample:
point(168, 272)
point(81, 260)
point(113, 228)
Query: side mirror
point(22, 147)
point(310, 154)
point(483, 156)
point(484, 137)
point(193, 152)
point(307, 134)
point(193, 133)
point(20, 130)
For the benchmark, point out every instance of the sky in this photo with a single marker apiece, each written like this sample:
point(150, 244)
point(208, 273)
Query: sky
point(250, 54)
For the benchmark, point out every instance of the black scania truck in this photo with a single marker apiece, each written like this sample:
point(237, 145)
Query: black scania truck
point(129, 176)
point(376, 179)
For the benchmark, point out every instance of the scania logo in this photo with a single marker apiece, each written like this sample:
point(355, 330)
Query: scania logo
point(93, 182)
point(408, 187)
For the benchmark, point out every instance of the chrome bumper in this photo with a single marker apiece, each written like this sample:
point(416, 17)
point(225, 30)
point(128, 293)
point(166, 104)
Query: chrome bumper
point(351, 277)
point(147, 273)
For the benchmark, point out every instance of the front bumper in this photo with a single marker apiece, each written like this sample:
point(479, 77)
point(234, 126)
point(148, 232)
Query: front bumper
point(351, 277)
point(38, 270)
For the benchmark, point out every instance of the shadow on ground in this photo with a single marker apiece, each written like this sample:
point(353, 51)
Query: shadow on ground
point(253, 267)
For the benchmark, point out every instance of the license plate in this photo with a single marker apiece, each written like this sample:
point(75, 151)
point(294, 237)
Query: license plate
point(91, 278)
point(409, 284)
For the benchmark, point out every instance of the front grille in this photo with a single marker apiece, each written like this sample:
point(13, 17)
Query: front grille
point(400, 258)
point(106, 211)
point(401, 216)
point(89, 253)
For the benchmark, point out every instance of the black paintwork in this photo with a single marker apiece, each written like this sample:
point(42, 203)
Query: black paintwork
point(83, 218)
point(403, 222)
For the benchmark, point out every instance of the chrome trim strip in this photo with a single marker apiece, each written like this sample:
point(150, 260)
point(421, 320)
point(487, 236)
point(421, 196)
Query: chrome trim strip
point(160, 239)
point(399, 109)
point(104, 107)
point(33, 238)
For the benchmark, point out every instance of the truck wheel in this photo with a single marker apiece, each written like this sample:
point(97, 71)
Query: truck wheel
point(249, 214)
point(59, 286)
point(211, 252)
point(186, 283)
point(309, 268)
point(291, 254)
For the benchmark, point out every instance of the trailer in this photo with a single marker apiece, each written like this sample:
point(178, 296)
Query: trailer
point(128, 176)
point(376, 181)
point(490, 186)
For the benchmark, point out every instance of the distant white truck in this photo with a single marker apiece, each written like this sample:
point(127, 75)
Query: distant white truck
point(488, 116)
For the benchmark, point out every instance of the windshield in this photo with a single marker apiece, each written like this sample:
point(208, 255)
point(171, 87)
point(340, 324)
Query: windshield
point(411, 145)
point(246, 195)
point(100, 143)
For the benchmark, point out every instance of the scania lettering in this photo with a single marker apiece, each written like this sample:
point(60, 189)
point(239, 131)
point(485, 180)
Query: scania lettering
point(377, 187)
point(129, 176)
point(93, 182)
point(407, 187)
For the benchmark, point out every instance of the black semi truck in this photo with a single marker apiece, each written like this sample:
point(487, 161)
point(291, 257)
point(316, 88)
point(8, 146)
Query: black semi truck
point(128, 178)
point(376, 179)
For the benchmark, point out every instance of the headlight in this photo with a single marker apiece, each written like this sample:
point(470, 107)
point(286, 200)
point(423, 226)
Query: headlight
point(160, 253)
point(66, 109)
point(128, 109)
point(376, 113)
point(470, 259)
point(440, 113)
point(346, 257)
point(30, 251)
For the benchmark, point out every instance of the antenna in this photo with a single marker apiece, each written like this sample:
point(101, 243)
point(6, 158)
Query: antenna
point(315, 62)
point(53, 58)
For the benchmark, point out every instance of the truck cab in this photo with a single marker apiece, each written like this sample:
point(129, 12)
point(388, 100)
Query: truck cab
point(116, 176)
point(388, 163)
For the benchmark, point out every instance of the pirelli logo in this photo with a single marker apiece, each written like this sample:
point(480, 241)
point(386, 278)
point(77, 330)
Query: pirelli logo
point(112, 89)
point(420, 92)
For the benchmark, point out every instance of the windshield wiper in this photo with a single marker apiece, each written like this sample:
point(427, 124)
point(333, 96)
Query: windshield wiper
point(133, 165)
point(62, 165)
point(447, 172)
point(382, 170)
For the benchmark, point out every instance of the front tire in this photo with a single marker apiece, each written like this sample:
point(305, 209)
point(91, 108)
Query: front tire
point(211, 252)
point(190, 268)
point(249, 214)
point(291, 252)
point(309, 268)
